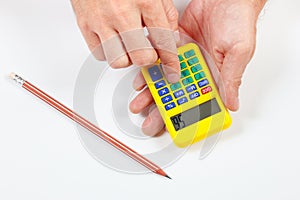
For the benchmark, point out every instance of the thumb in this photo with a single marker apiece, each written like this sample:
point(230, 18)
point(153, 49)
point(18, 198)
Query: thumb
point(231, 72)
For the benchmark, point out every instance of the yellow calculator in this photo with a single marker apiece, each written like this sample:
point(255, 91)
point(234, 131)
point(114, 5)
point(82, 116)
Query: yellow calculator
point(191, 108)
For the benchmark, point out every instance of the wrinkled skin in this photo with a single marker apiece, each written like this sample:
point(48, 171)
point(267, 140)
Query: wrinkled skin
point(104, 24)
point(227, 30)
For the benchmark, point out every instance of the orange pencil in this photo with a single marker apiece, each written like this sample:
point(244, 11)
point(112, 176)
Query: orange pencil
point(88, 125)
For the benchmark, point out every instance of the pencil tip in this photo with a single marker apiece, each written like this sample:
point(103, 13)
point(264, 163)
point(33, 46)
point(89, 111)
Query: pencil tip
point(168, 177)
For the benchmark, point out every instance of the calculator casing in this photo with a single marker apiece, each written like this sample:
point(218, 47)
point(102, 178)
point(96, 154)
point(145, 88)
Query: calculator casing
point(203, 128)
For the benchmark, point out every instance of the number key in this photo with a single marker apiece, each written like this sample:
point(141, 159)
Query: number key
point(175, 86)
point(180, 57)
point(187, 81)
point(185, 73)
point(199, 75)
point(183, 65)
point(189, 53)
point(193, 61)
point(196, 68)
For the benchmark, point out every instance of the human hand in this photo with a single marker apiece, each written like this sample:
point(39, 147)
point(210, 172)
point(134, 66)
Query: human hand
point(227, 30)
point(113, 30)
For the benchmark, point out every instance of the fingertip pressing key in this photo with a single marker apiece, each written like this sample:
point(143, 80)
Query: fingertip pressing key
point(173, 77)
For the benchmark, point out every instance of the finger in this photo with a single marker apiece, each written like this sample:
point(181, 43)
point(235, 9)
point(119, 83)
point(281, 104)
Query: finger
point(162, 39)
point(139, 81)
point(138, 47)
point(172, 14)
point(136, 43)
point(113, 48)
point(94, 44)
point(232, 70)
point(141, 101)
point(153, 124)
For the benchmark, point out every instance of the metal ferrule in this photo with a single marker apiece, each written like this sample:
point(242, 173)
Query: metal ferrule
point(19, 80)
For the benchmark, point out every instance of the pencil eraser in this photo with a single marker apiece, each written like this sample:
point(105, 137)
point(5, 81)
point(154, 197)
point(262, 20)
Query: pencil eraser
point(12, 75)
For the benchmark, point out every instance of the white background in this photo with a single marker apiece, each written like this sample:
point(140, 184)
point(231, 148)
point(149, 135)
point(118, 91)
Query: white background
point(41, 156)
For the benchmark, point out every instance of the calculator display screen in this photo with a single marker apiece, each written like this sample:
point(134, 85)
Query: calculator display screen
point(195, 114)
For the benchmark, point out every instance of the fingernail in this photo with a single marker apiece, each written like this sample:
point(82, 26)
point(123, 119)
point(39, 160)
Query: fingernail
point(173, 77)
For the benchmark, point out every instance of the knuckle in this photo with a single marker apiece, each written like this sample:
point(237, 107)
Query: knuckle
point(236, 83)
point(83, 24)
point(246, 48)
point(233, 81)
point(143, 57)
point(146, 4)
point(164, 41)
point(173, 14)
point(120, 62)
point(98, 52)
point(117, 10)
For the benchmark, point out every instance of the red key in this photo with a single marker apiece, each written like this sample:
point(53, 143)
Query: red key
point(206, 90)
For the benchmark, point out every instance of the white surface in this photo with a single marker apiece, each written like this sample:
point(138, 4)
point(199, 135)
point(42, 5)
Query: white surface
point(40, 153)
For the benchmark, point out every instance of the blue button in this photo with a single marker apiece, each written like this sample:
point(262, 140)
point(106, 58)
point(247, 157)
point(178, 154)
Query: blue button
point(160, 84)
point(163, 91)
point(191, 88)
point(170, 106)
point(155, 73)
point(178, 93)
point(203, 83)
point(194, 95)
point(182, 100)
point(166, 99)
point(189, 54)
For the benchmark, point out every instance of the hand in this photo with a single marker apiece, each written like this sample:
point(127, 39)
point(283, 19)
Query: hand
point(227, 30)
point(113, 30)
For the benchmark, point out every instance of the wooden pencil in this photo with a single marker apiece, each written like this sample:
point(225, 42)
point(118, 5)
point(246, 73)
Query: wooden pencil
point(88, 125)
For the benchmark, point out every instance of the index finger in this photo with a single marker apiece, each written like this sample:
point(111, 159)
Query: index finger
point(162, 39)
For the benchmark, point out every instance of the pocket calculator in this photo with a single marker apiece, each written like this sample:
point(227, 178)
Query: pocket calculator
point(191, 108)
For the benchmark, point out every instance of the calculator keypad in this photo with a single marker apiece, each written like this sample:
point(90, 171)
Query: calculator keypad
point(193, 82)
